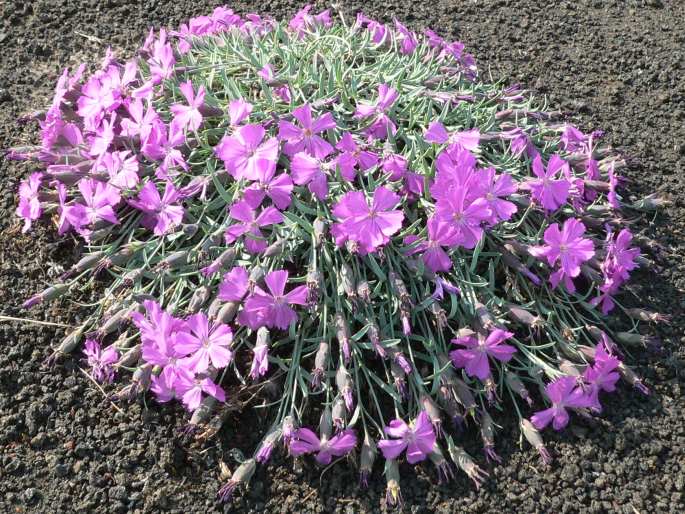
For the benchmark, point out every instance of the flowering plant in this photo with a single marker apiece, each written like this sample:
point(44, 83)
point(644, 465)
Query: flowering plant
point(344, 212)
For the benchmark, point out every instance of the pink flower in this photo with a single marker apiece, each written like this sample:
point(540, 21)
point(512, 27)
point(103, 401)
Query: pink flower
point(549, 191)
point(303, 21)
point(245, 155)
point(29, 206)
point(406, 39)
point(250, 225)
point(475, 357)
point(467, 139)
point(601, 376)
point(352, 157)
point(161, 213)
point(568, 247)
point(272, 308)
point(104, 135)
point(305, 441)
point(572, 139)
point(99, 199)
point(311, 171)
point(370, 226)
point(418, 439)
point(233, 287)
point(381, 123)
point(207, 343)
point(100, 361)
point(494, 188)
point(260, 360)
point(238, 111)
point(189, 116)
point(158, 145)
point(121, 168)
point(305, 138)
point(278, 188)
point(162, 60)
point(564, 393)
point(140, 120)
point(440, 234)
point(190, 389)
point(463, 215)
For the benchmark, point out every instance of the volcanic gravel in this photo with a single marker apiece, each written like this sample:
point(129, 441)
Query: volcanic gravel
point(615, 65)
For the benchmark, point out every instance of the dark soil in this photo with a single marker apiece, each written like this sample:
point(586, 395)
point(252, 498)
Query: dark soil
point(619, 65)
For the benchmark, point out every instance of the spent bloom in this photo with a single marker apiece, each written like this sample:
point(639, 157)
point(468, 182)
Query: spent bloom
point(100, 361)
point(474, 358)
point(381, 123)
point(418, 439)
point(29, 205)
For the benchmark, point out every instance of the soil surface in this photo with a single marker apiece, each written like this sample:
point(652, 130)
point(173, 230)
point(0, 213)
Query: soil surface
point(616, 65)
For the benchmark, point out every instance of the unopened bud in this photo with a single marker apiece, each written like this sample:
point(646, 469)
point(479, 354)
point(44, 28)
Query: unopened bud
point(276, 248)
point(465, 462)
point(242, 475)
point(319, 231)
point(515, 384)
point(645, 315)
point(393, 495)
point(342, 331)
point(199, 298)
point(445, 472)
point(535, 439)
point(174, 260)
point(227, 312)
point(339, 413)
point(48, 294)
point(487, 432)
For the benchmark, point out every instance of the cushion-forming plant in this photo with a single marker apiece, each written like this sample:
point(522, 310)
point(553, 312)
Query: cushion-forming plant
point(343, 221)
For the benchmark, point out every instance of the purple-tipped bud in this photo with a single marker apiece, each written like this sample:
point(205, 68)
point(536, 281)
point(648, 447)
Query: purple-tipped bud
point(517, 386)
point(242, 475)
point(200, 416)
point(220, 263)
point(174, 260)
point(343, 382)
point(114, 322)
point(399, 379)
point(393, 494)
point(439, 315)
point(632, 378)
point(524, 317)
point(375, 338)
point(339, 413)
point(651, 316)
point(464, 394)
point(227, 312)
point(320, 364)
point(652, 202)
point(347, 281)
point(433, 411)
point(400, 359)
point(130, 357)
point(313, 287)
point(487, 432)
point(288, 428)
point(319, 231)
point(48, 294)
point(87, 262)
point(400, 290)
point(514, 263)
point(465, 462)
point(443, 468)
point(631, 338)
point(342, 332)
point(484, 317)
point(364, 291)
point(276, 248)
point(268, 445)
point(406, 323)
point(535, 439)
point(366, 459)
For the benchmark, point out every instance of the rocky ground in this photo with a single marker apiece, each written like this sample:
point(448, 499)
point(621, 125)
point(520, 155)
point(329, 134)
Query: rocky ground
point(616, 65)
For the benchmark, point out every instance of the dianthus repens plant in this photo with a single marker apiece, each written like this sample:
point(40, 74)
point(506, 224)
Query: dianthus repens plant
point(341, 225)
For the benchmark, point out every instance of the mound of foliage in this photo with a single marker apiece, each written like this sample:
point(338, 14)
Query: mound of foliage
point(341, 225)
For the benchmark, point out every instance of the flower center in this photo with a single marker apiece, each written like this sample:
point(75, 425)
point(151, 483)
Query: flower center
point(307, 132)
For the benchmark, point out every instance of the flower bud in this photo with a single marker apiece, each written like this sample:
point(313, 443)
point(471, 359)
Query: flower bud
point(366, 459)
point(268, 445)
point(445, 473)
point(48, 294)
point(242, 475)
point(393, 495)
point(319, 231)
point(375, 338)
point(645, 315)
point(342, 332)
point(465, 462)
point(276, 248)
point(516, 385)
point(533, 437)
point(339, 413)
point(399, 379)
point(213, 308)
point(487, 432)
point(483, 316)
point(227, 312)
point(632, 378)
point(326, 423)
point(320, 364)
point(85, 263)
point(364, 291)
point(343, 382)
point(131, 357)
point(433, 412)
point(523, 316)
point(199, 298)
point(174, 260)
point(347, 281)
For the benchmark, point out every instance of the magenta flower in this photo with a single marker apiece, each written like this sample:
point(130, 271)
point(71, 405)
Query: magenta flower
point(282, 92)
point(246, 155)
point(140, 120)
point(549, 191)
point(467, 139)
point(305, 138)
point(234, 285)
point(163, 386)
point(494, 188)
point(100, 361)
point(572, 139)
point(160, 213)
point(189, 116)
point(381, 123)
point(455, 168)
point(29, 206)
point(303, 22)
point(104, 135)
point(440, 234)
point(121, 168)
point(563, 393)
point(418, 439)
point(568, 247)
point(97, 97)
point(272, 309)
point(250, 225)
point(190, 389)
point(378, 31)
point(475, 357)
point(612, 196)
point(160, 145)
point(162, 60)
point(370, 226)
point(464, 216)
point(207, 342)
point(305, 441)
point(601, 376)
point(238, 111)
point(353, 157)
point(620, 258)
point(158, 331)
point(311, 171)
point(100, 199)
point(406, 39)
point(278, 188)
